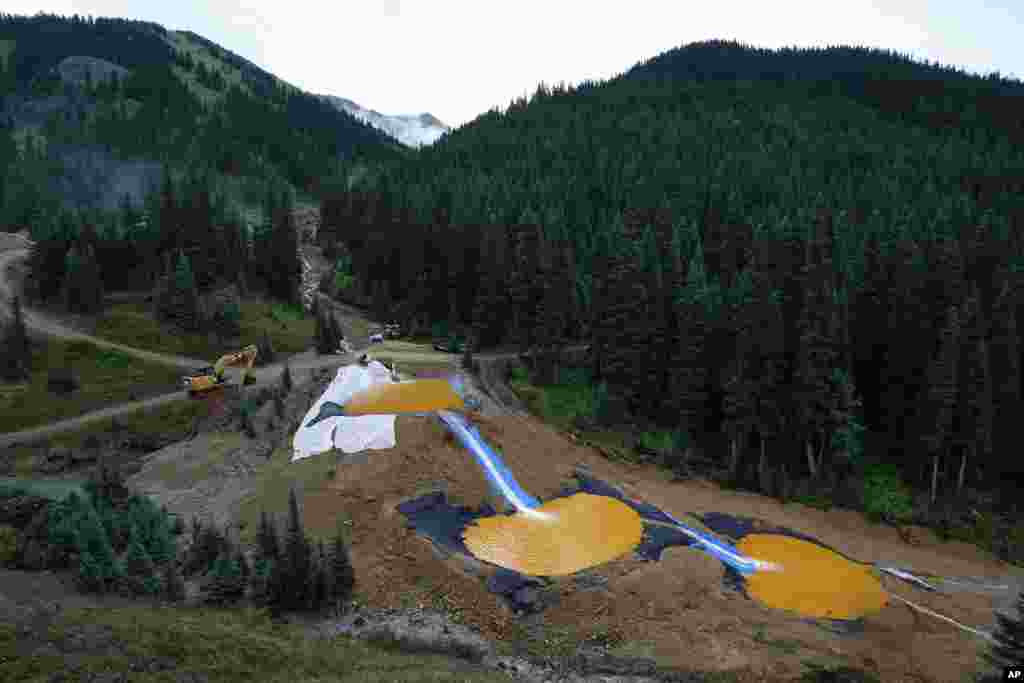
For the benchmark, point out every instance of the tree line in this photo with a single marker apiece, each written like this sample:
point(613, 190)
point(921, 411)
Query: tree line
point(184, 242)
point(118, 541)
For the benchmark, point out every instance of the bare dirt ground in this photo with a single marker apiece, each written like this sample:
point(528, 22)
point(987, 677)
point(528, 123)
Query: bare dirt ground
point(676, 610)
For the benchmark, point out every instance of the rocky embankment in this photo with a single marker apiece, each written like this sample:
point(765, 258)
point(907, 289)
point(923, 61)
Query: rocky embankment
point(433, 632)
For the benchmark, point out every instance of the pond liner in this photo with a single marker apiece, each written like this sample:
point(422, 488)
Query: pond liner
point(443, 523)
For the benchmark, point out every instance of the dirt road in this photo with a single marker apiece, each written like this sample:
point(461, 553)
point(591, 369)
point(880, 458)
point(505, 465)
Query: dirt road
point(41, 323)
point(14, 249)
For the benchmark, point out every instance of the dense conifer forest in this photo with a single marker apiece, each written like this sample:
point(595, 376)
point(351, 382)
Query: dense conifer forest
point(256, 127)
point(796, 258)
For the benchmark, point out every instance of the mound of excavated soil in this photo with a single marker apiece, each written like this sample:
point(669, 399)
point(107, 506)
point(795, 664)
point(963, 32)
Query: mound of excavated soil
point(676, 609)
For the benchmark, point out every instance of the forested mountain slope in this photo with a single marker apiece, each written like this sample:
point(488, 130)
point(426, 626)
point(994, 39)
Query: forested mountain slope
point(770, 251)
point(98, 105)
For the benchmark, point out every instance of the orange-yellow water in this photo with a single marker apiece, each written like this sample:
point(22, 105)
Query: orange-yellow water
point(581, 531)
point(813, 581)
point(419, 396)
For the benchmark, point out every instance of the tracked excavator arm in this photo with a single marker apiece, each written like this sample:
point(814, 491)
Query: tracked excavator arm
point(213, 377)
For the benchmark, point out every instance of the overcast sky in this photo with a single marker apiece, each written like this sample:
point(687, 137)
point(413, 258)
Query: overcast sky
point(458, 58)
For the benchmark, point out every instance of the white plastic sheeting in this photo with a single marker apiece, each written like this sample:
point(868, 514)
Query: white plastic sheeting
point(348, 434)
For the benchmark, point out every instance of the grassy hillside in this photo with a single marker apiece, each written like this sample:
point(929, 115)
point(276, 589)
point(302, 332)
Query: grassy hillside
point(105, 377)
point(289, 328)
point(213, 644)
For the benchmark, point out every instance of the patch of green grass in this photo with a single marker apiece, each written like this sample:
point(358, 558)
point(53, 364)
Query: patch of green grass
point(545, 641)
point(532, 396)
point(285, 313)
point(106, 377)
point(290, 330)
point(276, 478)
point(518, 374)
point(227, 646)
point(6, 50)
point(169, 419)
point(564, 402)
point(657, 441)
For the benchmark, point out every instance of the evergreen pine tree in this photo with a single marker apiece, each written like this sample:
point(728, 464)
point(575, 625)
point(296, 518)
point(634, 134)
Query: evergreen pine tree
point(225, 585)
point(467, 353)
point(337, 336)
point(227, 320)
point(139, 566)
point(244, 568)
point(94, 545)
point(183, 278)
point(321, 591)
point(296, 561)
point(16, 353)
point(266, 575)
point(285, 270)
point(381, 301)
point(72, 278)
point(265, 354)
point(91, 577)
point(259, 581)
point(174, 583)
point(286, 379)
point(245, 415)
point(160, 542)
point(328, 336)
point(318, 332)
point(179, 301)
point(47, 256)
point(138, 563)
point(1008, 649)
point(277, 595)
point(89, 280)
point(266, 538)
point(205, 550)
point(341, 575)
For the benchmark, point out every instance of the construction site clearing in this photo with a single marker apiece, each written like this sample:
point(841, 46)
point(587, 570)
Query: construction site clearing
point(407, 509)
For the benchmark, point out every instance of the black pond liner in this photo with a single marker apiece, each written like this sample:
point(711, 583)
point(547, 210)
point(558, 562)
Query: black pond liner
point(737, 527)
point(433, 517)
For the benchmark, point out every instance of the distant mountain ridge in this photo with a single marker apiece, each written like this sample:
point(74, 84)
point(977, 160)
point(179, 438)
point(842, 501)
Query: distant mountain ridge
point(412, 130)
point(178, 101)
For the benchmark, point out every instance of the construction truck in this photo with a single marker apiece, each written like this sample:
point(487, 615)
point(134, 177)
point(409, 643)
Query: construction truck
point(212, 377)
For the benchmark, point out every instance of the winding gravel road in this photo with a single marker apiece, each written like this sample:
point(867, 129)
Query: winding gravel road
point(14, 248)
point(41, 323)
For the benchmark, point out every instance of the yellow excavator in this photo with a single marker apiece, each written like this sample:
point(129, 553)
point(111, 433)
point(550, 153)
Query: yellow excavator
point(212, 377)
